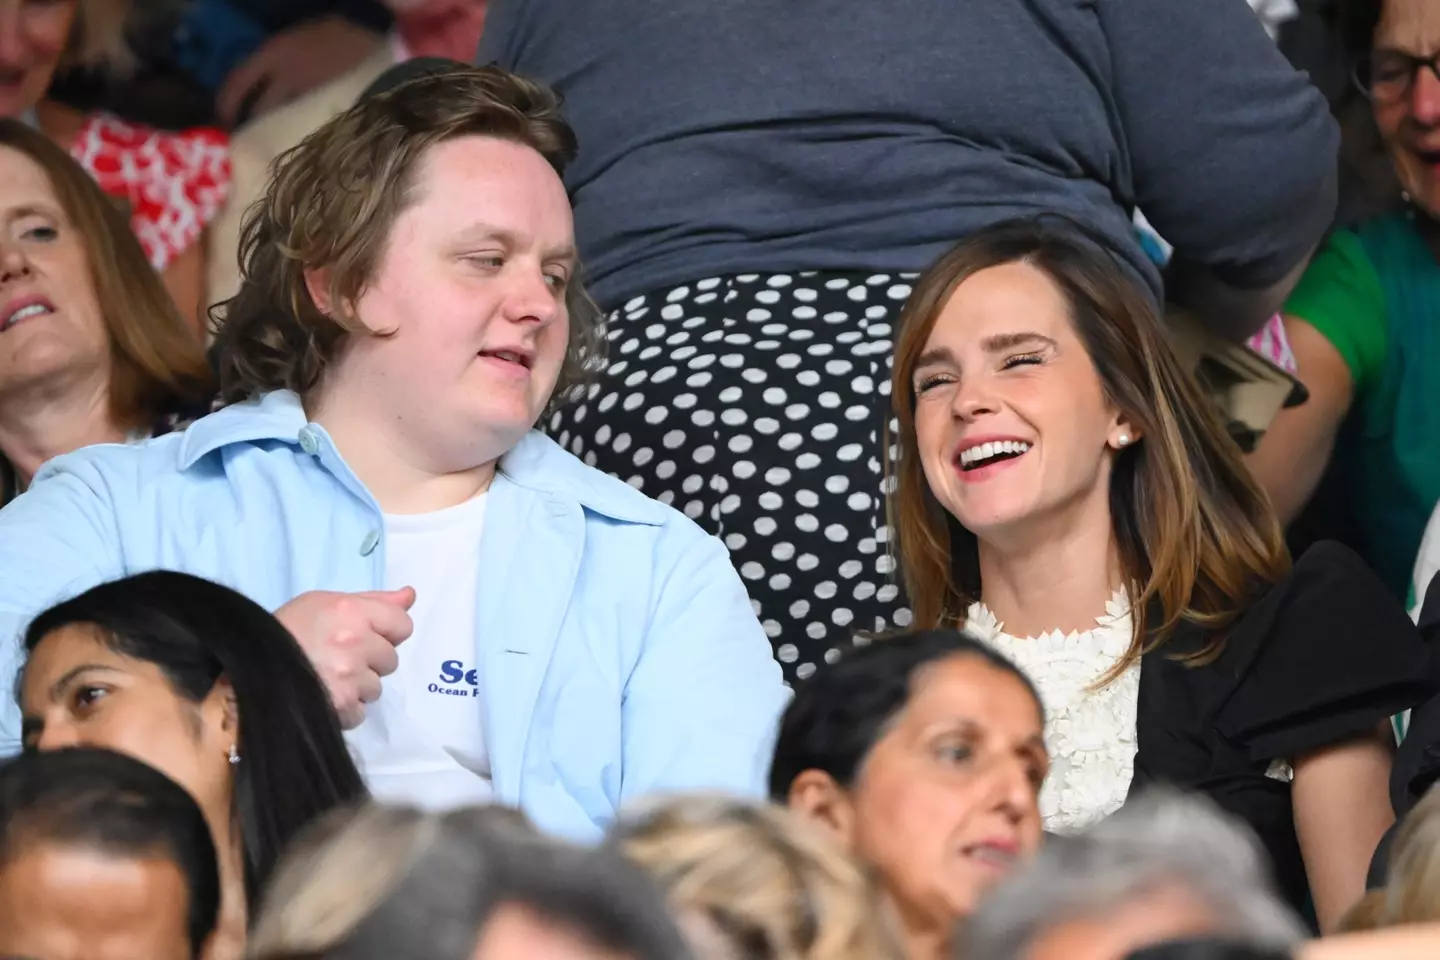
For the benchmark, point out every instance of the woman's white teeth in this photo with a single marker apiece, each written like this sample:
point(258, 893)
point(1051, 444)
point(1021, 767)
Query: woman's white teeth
point(980, 453)
point(25, 313)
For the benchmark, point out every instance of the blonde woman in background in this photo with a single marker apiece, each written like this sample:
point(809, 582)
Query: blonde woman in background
point(757, 882)
point(1412, 894)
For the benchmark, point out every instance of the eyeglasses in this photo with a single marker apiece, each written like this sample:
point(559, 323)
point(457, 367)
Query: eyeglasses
point(1388, 76)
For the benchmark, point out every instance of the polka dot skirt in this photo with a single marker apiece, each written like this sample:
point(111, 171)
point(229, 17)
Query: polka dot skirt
point(756, 404)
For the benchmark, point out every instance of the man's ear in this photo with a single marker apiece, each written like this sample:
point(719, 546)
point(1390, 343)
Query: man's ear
point(816, 796)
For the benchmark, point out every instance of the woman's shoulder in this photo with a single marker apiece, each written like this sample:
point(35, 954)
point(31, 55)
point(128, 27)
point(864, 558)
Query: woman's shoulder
point(1321, 654)
point(175, 182)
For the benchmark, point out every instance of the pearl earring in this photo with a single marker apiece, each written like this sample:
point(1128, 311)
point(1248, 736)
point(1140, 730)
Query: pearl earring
point(234, 754)
point(1123, 440)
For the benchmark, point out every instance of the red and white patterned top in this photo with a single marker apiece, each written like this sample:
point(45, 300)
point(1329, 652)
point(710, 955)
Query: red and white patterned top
point(175, 183)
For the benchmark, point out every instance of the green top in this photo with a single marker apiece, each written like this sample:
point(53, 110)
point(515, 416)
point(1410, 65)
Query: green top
point(1375, 295)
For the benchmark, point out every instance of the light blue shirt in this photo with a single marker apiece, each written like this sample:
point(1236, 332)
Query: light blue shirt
point(620, 653)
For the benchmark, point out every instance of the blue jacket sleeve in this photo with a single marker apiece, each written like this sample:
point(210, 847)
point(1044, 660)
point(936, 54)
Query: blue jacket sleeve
point(57, 539)
point(703, 703)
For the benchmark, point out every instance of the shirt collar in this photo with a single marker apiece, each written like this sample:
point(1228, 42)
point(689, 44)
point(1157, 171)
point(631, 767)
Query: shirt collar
point(536, 462)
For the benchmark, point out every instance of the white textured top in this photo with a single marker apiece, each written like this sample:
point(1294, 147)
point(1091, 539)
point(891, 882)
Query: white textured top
point(1090, 733)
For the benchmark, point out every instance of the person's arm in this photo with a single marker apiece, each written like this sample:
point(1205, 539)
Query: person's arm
point(56, 540)
point(1336, 323)
point(702, 705)
point(1342, 808)
point(185, 279)
point(1292, 455)
point(1232, 152)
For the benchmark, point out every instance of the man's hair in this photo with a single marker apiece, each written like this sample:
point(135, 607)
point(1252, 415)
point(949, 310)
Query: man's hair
point(1163, 841)
point(111, 803)
point(382, 882)
point(839, 714)
point(332, 203)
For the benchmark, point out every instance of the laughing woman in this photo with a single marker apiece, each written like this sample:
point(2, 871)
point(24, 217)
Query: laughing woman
point(1064, 491)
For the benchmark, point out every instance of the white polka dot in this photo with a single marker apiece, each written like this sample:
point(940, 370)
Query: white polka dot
point(735, 540)
point(787, 361)
point(835, 533)
point(806, 670)
point(856, 293)
point(807, 378)
point(814, 631)
point(693, 509)
point(753, 375)
point(740, 444)
point(825, 589)
point(832, 655)
point(838, 368)
point(752, 571)
point(807, 561)
point(864, 590)
point(807, 461)
point(678, 294)
point(878, 279)
point(775, 395)
point(779, 280)
point(903, 617)
point(849, 452)
point(767, 425)
point(825, 432)
point(856, 414)
point(622, 443)
point(643, 456)
point(787, 653)
point(887, 593)
point(590, 458)
point(772, 630)
point(704, 454)
point(656, 415)
point(608, 401)
point(850, 569)
point(733, 417)
point(898, 292)
point(769, 500)
point(781, 551)
point(732, 361)
point(797, 411)
point(634, 303)
point(804, 312)
point(799, 608)
point(837, 484)
point(776, 476)
point(663, 374)
point(730, 504)
point(665, 469)
point(766, 526)
point(841, 616)
point(807, 499)
point(767, 296)
point(692, 484)
point(829, 399)
point(839, 283)
point(684, 401)
point(710, 283)
point(671, 311)
point(858, 501)
point(781, 581)
point(743, 469)
point(790, 441)
point(602, 433)
point(758, 315)
point(866, 545)
point(670, 441)
point(884, 564)
point(807, 523)
point(806, 295)
point(820, 349)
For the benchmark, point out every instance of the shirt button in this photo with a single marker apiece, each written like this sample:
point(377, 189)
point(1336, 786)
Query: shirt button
point(367, 546)
point(308, 443)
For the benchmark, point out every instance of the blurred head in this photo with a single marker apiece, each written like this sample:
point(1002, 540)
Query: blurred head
point(1164, 867)
point(1394, 40)
point(440, 28)
point(384, 882)
point(1037, 399)
point(923, 753)
point(413, 263)
point(102, 858)
point(39, 37)
point(183, 673)
point(1412, 887)
point(66, 250)
point(757, 882)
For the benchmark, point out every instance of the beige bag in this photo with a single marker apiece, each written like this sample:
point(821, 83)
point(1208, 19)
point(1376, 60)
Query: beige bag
point(1248, 389)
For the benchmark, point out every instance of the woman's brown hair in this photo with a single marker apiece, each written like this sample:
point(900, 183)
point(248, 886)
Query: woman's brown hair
point(331, 204)
point(1195, 535)
point(158, 364)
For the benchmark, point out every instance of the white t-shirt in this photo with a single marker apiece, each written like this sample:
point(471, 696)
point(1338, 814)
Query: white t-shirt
point(423, 741)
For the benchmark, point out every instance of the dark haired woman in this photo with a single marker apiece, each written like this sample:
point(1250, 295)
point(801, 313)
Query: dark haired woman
point(207, 687)
point(924, 755)
point(1065, 492)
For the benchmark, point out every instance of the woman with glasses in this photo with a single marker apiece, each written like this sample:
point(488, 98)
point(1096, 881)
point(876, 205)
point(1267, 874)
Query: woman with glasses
point(1362, 321)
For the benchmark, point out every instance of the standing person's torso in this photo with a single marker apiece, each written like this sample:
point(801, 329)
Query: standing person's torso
point(820, 134)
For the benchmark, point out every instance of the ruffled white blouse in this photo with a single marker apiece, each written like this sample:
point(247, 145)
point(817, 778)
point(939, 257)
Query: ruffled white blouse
point(1089, 732)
